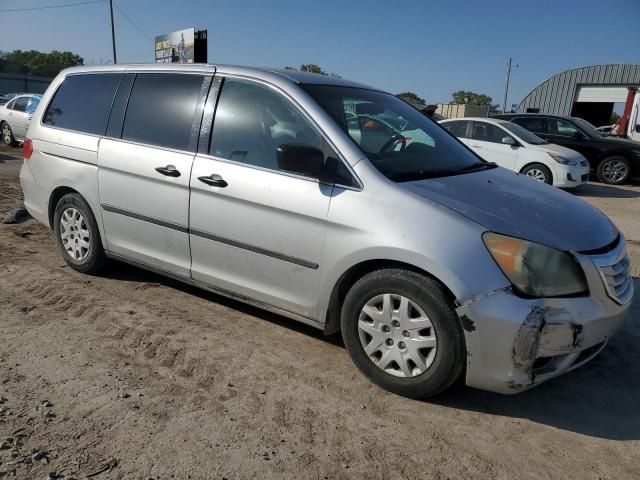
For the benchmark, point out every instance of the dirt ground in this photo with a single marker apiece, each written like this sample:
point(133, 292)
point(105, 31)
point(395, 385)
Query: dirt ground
point(133, 376)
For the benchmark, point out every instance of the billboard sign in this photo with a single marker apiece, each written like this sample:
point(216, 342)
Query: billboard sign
point(176, 47)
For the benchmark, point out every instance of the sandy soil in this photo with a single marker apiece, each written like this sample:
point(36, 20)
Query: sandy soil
point(132, 376)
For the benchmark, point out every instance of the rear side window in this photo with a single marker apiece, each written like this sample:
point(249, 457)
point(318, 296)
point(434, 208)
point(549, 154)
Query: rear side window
point(486, 132)
point(82, 103)
point(161, 109)
point(535, 125)
point(20, 104)
point(457, 128)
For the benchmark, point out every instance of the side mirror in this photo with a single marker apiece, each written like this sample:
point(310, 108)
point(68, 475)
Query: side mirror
point(638, 128)
point(301, 159)
point(509, 141)
point(577, 136)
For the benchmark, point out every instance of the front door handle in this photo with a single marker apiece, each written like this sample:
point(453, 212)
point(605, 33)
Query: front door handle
point(169, 171)
point(214, 180)
point(476, 146)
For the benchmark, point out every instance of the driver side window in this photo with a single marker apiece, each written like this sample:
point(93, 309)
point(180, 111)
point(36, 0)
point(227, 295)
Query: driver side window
point(252, 121)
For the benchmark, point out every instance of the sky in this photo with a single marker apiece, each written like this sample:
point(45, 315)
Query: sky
point(432, 48)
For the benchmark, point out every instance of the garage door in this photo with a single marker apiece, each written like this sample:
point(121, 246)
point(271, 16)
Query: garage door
point(602, 94)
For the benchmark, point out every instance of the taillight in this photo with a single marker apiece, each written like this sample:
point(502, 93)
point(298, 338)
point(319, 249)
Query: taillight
point(27, 148)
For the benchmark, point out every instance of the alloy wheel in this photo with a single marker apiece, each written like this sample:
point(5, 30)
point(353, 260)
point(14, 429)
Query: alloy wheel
point(397, 335)
point(6, 134)
point(614, 171)
point(536, 174)
point(74, 233)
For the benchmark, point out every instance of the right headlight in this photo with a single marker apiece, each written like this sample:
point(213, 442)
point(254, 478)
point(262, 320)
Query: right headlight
point(561, 160)
point(534, 269)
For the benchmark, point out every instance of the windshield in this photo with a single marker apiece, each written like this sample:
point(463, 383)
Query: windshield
point(586, 127)
point(524, 134)
point(402, 143)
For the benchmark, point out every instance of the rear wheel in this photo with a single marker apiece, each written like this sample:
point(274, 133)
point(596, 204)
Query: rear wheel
point(539, 172)
point(613, 170)
point(7, 134)
point(77, 234)
point(402, 333)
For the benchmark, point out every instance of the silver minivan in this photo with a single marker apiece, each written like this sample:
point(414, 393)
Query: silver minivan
point(290, 191)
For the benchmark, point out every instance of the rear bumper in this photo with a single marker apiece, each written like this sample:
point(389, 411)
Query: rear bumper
point(33, 201)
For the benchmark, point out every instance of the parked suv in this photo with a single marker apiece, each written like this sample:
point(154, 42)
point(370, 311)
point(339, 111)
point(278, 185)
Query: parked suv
point(613, 160)
point(253, 184)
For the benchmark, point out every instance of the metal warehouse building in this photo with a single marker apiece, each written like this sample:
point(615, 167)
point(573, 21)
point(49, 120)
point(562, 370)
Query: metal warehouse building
point(586, 92)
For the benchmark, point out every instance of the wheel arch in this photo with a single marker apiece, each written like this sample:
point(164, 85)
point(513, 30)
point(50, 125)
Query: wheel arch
point(55, 197)
point(357, 271)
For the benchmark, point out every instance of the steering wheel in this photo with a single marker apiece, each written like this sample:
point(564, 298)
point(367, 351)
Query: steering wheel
point(392, 141)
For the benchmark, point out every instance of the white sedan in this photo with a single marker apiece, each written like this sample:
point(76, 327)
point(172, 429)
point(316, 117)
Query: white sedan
point(15, 116)
point(511, 146)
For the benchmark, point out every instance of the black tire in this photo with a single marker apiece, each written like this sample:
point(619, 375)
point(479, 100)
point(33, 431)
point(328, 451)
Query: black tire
point(94, 258)
point(613, 170)
point(430, 296)
point(538, 167)
point(7, 135)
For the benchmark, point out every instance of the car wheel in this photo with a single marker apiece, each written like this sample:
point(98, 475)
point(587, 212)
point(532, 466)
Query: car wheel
point(402, 332)
point(539, 172)
point(77, 234)
point(7, 135)
point(613, 170)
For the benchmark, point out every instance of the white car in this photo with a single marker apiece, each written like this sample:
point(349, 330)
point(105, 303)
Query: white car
point(511, 146)
point(15, 117)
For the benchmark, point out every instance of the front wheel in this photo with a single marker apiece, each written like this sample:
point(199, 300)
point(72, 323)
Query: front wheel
point(539, 172)
point(77, 234)
point(613, 170)
point(402, 333)
point(7, 135)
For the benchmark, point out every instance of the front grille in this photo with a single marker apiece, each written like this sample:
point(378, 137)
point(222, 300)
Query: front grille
point(585, 177)
point(614, 270)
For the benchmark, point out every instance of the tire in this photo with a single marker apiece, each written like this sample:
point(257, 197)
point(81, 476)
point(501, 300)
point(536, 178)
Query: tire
point(7, 135)
point(444, 363)
point(77, 234)
point(539, 172)
point(613, 170)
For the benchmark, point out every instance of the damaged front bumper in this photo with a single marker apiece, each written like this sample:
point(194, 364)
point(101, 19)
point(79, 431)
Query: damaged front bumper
point(514, 343)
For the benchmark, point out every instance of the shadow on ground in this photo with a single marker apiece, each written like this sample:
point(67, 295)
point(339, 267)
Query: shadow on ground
point(601, 399)
point(600, 190)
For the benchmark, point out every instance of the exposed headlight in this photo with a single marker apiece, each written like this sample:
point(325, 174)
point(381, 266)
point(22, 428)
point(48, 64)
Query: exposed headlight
point(534, 269)
point(561, 160)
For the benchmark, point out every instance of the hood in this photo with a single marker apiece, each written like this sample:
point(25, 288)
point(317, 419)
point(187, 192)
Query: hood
point(560, 150)
point(621, 142)
point(512, 204)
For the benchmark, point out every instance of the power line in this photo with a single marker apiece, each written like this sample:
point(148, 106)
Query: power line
point(132, 22)
point(51, 6)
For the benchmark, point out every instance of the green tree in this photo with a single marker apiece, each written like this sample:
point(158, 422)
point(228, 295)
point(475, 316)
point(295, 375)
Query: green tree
point(471, 98)
point(411, 97)
point(33, 62)
point(615, 118)
point(312, 68)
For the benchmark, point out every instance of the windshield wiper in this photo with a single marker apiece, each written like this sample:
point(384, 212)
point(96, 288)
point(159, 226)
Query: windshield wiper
point(478, 166)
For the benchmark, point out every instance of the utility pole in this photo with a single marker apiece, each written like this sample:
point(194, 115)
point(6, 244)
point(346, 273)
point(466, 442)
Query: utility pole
point(113, 34)
point(506, 86)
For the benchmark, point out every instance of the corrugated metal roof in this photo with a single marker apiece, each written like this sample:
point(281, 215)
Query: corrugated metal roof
point(556, 95)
